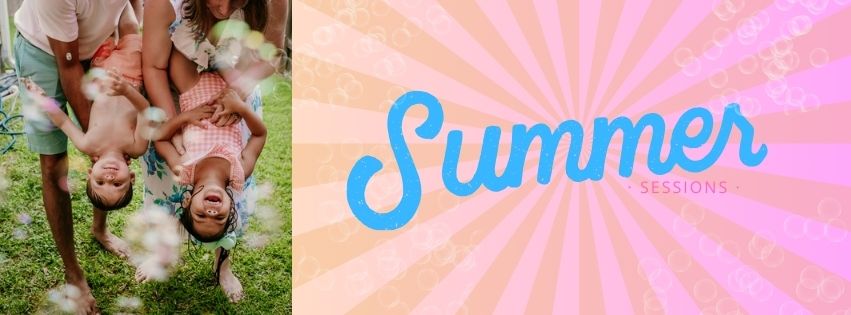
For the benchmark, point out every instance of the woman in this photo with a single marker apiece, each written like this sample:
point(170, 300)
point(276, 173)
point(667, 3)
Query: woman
point(165, 21)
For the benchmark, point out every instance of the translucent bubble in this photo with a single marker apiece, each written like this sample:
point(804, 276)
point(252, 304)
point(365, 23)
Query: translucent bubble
point(692, 214)
point(831, 289)
point(811, 276)
point(401, 37)
point(829, 208)
point(648, 267)
point(815, 7)
point(813, 229)
point(683, 228)
point(92, 83)
point(775, 258)
point(722, 36)
point(654, 305)
point(761, 245)
point(712, 51)
point(796, 96)
point(323, 36)
point(776, 88)
point(705, 290)
point(774, 69)
point(128, 303)
point(811, 102)
point(782, 46)
point(748, 65)
point(725, 10)
point(19, 234)
point(25, 219)
point(427, 279)
point(388, 296)
point(805, 294)
point(661, 281)
point(692, 68)
point(819, 57)
point(679, 261)
point(765, 51)
point(799, 25)
point(728, 252)
point(835, 230)
point(682, 56)
point(718, 79)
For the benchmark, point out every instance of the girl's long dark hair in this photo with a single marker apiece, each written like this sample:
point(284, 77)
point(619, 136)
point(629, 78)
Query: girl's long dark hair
point(201, 20)
point(230, 225)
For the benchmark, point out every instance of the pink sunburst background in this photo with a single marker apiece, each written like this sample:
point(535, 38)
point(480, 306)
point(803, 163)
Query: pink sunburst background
point(775, 242)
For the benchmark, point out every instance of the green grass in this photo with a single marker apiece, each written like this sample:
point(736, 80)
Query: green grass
point(31, 266)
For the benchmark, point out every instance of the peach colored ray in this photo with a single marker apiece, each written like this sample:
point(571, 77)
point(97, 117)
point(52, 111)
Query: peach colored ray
point(530, 24)
point(569, 12)
point(438, 24)
point(474, 20)
point(381, 94)
point(359, 239)
point(433, 63)
point(588, 24)
point(616, 299)
point(515, 297)
point(591, 295)
point(504, 252)
point(628, 23)
point(661, 70)
point(735, 234)
point(504, 217)
point(732, 62)
point(399, 260)
point(638, 287)
point(549, 19)
point(629, 206)
point(763, 187)
point(825, 248)
point(543, 293)
point(503, 18)
point(820, 36)
point(610, 16)
point(655, 19)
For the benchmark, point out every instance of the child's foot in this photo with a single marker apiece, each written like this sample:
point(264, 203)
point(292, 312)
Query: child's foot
point(113, 244)
point(230, 284)
point(86, 302)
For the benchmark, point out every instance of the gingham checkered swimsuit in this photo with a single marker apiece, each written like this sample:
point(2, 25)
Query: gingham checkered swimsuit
point(211, 141)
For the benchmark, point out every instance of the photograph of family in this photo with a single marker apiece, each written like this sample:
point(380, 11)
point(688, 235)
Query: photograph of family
point(145, 157)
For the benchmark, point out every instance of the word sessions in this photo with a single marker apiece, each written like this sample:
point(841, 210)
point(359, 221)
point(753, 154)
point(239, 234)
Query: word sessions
point(521, 138)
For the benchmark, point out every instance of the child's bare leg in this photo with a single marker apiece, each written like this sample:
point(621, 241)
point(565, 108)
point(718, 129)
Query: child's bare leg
point(230, 284)
point(112, 243)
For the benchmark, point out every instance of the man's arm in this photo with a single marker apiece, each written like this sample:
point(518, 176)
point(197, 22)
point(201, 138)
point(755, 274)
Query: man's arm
point(70, 76)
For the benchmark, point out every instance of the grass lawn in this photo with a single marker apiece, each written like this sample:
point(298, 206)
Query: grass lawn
point(30, 265)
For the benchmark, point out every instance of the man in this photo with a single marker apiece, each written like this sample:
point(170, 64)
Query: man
point(56, 39)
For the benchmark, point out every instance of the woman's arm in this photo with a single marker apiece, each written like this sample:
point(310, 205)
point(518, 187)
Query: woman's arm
point(156, 48)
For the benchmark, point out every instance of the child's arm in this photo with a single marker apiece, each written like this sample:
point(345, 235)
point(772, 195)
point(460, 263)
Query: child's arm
point(232, 103)
point(118, 86)
point(57, 116)
point(166, 149)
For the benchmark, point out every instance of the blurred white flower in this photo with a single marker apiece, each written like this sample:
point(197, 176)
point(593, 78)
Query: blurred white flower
point(154, 242)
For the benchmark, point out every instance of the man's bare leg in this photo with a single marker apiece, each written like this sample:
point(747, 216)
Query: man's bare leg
point(57, 204)
point(112, 243)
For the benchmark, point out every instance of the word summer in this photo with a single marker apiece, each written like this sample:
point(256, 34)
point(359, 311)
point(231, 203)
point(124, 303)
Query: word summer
point(521, 139)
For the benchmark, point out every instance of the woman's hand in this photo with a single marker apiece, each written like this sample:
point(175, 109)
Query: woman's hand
point(229, 108)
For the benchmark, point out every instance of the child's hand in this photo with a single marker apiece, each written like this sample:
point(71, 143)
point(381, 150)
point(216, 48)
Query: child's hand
point(39, 97)
point(230, 108)
point(116, 85)
point(197, 115)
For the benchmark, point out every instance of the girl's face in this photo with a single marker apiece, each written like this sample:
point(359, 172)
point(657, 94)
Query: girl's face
point(222, 9)
point(210, 209)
